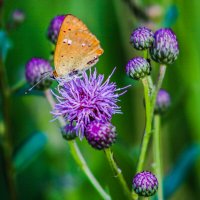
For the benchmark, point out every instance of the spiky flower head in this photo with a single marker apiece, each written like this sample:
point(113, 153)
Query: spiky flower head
point(54, 28)
point(145, 184)
point(165, 49)
point(138, 68)
point(68, 132)
point(162, 102)
point(100, 135)
point(142, 38)
point(83, 100)
point(36, 68)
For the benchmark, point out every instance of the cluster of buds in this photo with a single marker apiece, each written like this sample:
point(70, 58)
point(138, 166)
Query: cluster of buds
point(162, 45)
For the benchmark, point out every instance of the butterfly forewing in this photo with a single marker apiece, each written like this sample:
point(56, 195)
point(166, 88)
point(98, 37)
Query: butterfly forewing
point(76, 47)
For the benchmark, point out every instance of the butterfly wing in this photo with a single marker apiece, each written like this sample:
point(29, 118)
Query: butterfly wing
point(76, 48)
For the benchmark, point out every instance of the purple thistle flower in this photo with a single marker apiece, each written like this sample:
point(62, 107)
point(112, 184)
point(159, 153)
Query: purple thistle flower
point(100, 135)
point(145, 184)
point(83, 100)
point(54, 28)
point(165, 49)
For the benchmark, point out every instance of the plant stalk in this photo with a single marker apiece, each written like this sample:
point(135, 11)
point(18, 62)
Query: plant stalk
point(78, 157)
point(6, 146)
point(148, 125)
point(150, 94)
point(157, 154)
point(158, 86)
point(117, 173)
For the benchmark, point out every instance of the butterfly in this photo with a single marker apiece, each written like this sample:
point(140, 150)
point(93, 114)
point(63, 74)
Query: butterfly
point(76, 49)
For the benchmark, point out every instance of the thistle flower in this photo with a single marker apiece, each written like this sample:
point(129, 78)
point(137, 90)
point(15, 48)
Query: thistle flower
point(83, 100)
point(165, 48)
point(68, 132)
point(35, 71)
point(142, 38)
point(162, 101)
point(100, 135)
point(54, 28)
point(145, 184)
point(138, 68)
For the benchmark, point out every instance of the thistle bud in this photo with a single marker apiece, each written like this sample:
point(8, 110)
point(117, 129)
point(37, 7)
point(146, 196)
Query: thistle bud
point(145, 184)
point(100, 135)
point(142, 38)
point(68, 132)
point(35, 72)
point(54, 28)
point(138, 68)
point(162, 101)
point(165, 48)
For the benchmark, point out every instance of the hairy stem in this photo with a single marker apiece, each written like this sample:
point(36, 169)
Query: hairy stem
point(117, 173)
point(157, 154)
point(78, 157)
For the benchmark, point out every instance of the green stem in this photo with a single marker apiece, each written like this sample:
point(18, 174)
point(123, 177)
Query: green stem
point(158, 86)
point(150, 93)
point(148, 126)
point(6, 147)
point(78, 157)
point(118, 173)
point(157, 154)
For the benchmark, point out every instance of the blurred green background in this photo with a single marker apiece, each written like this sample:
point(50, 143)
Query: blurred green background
point(53, 174)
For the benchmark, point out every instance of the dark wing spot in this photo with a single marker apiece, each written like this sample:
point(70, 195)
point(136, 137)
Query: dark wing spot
point(74, 72)
point(69, 29)
point(92, 61)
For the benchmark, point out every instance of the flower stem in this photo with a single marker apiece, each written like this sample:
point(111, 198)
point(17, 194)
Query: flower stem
point(158, 86)
point(157, 155)
point(150, 94)
point(117, 172)
point(6, 147)
point(148, 85)
point(148, 126)
point(82, 163)
point(78, 157)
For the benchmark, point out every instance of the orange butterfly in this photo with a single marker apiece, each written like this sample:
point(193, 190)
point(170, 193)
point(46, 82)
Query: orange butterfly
point(76, 49)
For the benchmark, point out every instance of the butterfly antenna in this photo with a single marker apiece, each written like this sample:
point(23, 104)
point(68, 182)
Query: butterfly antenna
point(43, 78)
